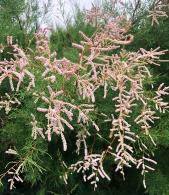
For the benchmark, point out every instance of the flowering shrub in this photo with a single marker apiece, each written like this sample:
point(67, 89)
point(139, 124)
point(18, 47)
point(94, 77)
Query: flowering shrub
point(66, 101)
point(158, 11)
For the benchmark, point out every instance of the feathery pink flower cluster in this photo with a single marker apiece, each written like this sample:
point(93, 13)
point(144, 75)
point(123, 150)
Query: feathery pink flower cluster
point(16, 69)
point(122, 73)
point(158, 12)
